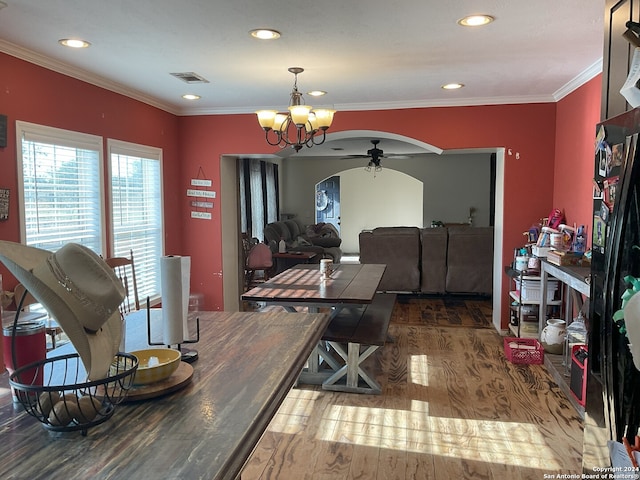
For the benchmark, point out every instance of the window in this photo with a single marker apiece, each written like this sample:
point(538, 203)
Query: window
point(61, 197)
point(259, 193)
point(136, 210)
point(61, 187)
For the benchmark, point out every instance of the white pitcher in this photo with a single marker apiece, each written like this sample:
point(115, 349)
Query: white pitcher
point(553, 335)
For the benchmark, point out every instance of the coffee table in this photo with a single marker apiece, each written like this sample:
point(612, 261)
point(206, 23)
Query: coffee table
point(287, 260)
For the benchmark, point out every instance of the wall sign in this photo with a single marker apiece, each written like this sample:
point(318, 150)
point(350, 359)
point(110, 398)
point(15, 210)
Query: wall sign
point(202, 215)
point(200, 182)
point(200, 193)
point(201, 206)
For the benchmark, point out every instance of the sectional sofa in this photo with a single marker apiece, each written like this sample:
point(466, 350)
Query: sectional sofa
point(457, 260)
point(322, 239)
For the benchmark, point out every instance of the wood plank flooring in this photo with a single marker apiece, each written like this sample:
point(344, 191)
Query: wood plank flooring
point(452, 406)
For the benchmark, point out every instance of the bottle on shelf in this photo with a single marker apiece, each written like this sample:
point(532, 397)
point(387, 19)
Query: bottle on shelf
point(282, 246)
point(576, 335)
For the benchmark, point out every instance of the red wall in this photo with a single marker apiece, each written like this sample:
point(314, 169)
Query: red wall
point(528, 131)
point(37, 95)
point(576, 118)
point(520, 128)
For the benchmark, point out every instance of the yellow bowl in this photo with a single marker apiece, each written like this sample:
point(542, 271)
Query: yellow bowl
point(155, 364)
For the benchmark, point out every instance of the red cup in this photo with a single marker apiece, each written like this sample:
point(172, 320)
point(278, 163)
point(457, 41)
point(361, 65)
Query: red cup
point(31, 346)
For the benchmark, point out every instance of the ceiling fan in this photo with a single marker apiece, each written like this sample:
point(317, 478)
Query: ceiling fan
point(375, 155)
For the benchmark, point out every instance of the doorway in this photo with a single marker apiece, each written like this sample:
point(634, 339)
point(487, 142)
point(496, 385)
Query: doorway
point(328, 201)
point(231, 235)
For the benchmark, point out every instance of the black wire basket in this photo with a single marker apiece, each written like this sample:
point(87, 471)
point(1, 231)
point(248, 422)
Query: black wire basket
point(54, 391)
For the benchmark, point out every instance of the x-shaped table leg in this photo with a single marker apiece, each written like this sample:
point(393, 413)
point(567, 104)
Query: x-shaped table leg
point(353, 370)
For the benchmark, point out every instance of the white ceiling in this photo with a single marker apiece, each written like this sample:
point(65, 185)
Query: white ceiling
point(368, 54)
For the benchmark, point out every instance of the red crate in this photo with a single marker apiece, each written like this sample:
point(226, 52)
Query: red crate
point(526, 351)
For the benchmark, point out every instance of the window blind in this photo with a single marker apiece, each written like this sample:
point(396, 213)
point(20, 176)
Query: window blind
point(136, 211)
point(61, 187)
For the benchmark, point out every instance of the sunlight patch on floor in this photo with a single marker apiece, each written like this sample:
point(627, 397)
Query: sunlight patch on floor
point(419, 370)
point(507, 443)
point(293, 415)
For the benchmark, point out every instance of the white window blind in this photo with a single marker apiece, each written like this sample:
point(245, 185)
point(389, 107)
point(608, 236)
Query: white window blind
point(137, 211)
point(60, 184)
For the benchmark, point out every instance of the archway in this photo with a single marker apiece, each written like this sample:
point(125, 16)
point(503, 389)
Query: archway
point(229, 214)
point(364, 206)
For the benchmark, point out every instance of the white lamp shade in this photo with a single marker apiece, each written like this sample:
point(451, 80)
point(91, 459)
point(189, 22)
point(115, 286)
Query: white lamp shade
point(324, 117)
point(266, 118)
point(299, 114)
point(279, 122)
point(312, 124)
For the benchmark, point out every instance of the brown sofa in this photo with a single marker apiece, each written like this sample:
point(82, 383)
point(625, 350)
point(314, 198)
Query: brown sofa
point(432, 260)
point(399, 249)
point(322, 239)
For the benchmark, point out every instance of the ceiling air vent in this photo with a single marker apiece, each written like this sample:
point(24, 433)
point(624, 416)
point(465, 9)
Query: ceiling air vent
point(190, 77)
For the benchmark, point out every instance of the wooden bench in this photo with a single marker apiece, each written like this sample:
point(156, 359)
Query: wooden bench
point(355, 335)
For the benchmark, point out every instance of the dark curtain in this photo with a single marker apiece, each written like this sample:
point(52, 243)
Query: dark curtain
point(259, 194)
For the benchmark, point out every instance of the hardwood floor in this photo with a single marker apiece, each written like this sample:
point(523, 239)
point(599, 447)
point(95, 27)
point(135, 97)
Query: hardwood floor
point(452, 407)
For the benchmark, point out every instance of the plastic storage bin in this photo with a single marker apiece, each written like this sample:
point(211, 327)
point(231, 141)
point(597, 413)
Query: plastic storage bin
point(531, 291)
point(526, 351)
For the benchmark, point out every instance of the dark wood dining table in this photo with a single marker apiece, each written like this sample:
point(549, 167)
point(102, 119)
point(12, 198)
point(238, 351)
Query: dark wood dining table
point(303, 288)
point(247, 363)
point(350, 285)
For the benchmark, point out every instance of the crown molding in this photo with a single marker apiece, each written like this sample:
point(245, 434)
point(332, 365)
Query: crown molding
point(591, 72)
point(79, 74)
point(353, 107)
point(88, 77)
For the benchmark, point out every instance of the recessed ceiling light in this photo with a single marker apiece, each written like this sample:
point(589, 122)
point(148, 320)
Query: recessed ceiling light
point(265, 34)
point(191, 96)
point(316, 93)
point(453, 86)
point(475, 20)
point(74, 43)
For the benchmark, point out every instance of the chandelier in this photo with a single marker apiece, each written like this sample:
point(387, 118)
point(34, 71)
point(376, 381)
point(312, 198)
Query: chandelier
point(301, 126)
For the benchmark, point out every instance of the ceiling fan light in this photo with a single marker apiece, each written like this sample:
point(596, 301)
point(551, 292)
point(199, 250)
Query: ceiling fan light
point(300, 114)
point(266, 118)
point(324, 116)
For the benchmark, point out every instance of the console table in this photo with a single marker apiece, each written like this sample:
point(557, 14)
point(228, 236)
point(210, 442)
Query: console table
point(575, 280)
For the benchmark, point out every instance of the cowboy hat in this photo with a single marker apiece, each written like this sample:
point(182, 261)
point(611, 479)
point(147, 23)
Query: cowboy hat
point(80, 291)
